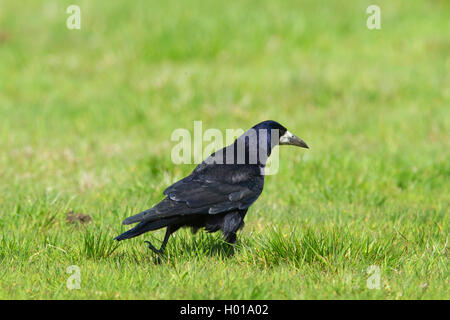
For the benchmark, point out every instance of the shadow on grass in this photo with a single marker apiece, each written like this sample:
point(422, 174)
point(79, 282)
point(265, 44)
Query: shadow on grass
point(187, 245)
point(183, 245)
point(324, 249)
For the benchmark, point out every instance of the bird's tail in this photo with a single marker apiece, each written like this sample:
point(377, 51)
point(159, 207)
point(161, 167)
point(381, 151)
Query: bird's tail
point(143, 227)
point(137, 217)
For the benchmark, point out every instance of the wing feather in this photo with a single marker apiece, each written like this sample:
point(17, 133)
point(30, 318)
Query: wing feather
point(203, 194)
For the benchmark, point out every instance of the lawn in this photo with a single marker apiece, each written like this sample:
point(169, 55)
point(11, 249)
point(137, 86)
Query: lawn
point(86, 118)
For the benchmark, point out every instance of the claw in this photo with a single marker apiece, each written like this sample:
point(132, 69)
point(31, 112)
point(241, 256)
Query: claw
point(163, 245)
point(151, 247)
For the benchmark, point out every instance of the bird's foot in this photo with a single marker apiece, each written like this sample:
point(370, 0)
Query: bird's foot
point(152, 247)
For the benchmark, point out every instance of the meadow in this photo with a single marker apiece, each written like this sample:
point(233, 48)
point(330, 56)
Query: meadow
point(86, 118)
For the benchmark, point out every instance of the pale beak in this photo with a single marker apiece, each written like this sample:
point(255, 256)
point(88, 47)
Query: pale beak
point(290, 139)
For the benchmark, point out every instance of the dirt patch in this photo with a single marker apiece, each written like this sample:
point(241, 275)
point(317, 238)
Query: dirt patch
point(72, 217)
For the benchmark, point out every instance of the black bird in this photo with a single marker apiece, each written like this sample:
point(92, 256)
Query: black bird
point(218, 193)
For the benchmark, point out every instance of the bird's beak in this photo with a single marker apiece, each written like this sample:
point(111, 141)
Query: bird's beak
point(289, 138)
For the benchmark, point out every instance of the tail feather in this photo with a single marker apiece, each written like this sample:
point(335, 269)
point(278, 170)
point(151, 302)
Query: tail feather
point(143, 227)
point(137, 217)
point(163, 210)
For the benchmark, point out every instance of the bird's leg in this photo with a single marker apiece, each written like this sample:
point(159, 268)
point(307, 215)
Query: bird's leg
point(163, 245)
point(151, 247)
point(166, 238)
point(230, 238)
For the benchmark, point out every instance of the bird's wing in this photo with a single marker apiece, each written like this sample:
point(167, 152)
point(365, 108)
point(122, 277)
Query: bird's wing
point(217, 196)
point(190, 196)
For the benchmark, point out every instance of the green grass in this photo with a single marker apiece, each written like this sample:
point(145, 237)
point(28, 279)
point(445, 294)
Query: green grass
point(85, 123)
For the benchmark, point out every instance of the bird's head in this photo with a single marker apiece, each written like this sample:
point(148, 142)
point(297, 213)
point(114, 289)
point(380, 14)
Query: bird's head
point(277, 134)
point(256, 144)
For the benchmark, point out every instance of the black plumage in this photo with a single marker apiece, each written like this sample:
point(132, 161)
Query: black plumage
point(218, 193)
